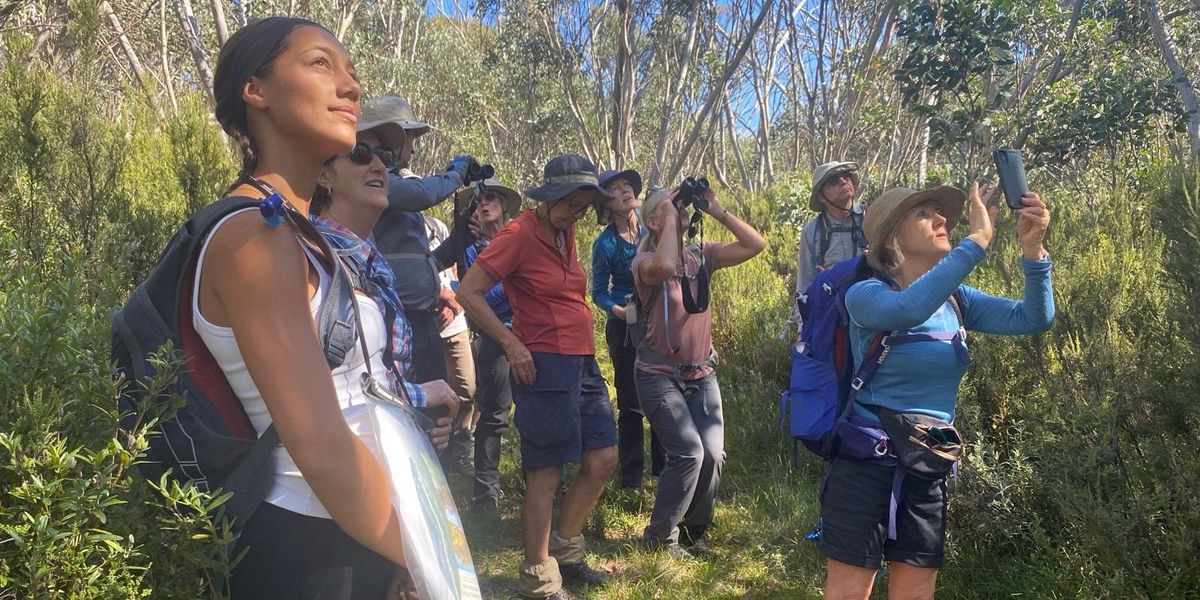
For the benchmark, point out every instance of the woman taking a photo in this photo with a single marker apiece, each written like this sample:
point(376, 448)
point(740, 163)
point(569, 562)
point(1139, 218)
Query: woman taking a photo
point(612, 281)
point(890, 508)
point(286, 91)
point(675, 378)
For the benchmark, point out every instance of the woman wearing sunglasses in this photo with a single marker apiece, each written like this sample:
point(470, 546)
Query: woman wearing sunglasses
point(350, 195)
point(286, 91)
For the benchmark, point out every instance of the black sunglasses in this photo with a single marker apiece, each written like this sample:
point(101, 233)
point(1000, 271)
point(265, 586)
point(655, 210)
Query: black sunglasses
point(361, 153)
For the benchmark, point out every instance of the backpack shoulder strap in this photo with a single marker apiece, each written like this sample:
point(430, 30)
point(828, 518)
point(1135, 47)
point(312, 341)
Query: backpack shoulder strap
point(821, 240)
point(956, 302)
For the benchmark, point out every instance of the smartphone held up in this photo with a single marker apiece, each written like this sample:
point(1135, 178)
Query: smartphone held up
point(1011, 171)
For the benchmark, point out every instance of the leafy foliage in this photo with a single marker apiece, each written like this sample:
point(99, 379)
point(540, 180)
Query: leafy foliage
point(1082, 468)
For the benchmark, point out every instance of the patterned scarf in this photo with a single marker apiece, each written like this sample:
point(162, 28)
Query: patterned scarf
point(375, 278)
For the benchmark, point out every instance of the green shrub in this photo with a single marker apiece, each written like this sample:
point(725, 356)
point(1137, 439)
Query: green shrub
point(1085, 436)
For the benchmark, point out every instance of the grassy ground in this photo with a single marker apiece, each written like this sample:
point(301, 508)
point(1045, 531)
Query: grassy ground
point(764, 509)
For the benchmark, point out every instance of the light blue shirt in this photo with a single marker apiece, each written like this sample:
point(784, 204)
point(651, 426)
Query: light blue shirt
point(924, 377)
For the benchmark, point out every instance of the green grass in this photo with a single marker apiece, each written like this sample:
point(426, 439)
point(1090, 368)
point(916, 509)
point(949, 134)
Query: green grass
point(764, 509)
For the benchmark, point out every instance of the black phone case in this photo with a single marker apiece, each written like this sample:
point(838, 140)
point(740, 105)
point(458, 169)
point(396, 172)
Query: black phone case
point(1011, 170)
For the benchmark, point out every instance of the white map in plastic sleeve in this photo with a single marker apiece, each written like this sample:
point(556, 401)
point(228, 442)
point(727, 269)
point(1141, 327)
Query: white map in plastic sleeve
point(435, 544)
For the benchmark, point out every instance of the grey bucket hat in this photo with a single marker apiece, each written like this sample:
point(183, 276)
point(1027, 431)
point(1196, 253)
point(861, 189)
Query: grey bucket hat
point(564, 174)
point(512, 198)
point(393, 117)
point(885, 213)
point(823, 172)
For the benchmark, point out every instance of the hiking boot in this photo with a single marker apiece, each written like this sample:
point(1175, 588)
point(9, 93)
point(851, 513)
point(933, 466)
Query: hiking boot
point(464, 467)
point(677, 552)
point(486, 508)
point(563, 594)
point(699, 548)
point(580, 572)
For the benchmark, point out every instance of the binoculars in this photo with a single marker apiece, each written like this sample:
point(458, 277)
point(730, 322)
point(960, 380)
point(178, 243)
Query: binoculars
point(478, 172)
point(691, 191)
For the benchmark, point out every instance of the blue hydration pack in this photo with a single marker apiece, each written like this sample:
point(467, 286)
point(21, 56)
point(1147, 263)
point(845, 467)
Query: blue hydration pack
point(823, 379)
point(821, 361)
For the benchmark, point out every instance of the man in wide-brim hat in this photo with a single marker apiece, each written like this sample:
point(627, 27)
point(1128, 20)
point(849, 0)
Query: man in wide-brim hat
point(563, 412)
point(836, 234)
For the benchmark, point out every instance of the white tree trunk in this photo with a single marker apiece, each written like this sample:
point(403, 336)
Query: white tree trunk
point(718, 90)
point(135, 63)
point(218, 11)
point(1182, 83)
point(191, 32)
point(168, 76)
point(677, 84)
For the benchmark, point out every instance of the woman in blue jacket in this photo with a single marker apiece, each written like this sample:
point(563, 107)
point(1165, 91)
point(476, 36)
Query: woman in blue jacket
point(612, 282)
point(886, 508)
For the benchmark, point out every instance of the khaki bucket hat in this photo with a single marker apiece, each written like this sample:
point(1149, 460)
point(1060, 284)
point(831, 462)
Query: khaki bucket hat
point(823, 172)
point(393, 117)
point(886, 212)
point(511, 197)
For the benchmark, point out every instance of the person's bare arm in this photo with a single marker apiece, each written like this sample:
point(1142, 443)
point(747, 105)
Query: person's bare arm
point(471, 289)
point(259, 280)
point(662, 266)
point(749, 241)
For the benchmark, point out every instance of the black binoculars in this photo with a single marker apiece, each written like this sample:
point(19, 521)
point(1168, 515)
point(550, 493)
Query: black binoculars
point(691, 191)
point(478, 172)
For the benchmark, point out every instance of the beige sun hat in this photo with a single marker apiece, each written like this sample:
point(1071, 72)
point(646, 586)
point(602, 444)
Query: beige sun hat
point(886, 212)
point(511, 197)
point(394, 119)
point(823, 172)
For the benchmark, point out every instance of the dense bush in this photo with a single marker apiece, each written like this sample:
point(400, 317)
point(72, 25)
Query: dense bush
point(88, 202)
point(1079, 482)
point(1083, 464)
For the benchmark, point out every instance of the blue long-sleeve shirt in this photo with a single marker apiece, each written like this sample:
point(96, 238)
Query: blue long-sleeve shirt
point(924, 377)
point(612, 278)
point(401, 238)
point(496, 297)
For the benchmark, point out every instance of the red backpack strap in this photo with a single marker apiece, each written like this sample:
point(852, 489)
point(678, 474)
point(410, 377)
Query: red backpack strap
point(203, 369)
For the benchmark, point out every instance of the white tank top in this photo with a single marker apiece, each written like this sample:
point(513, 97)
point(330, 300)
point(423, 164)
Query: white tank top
point(289, 490)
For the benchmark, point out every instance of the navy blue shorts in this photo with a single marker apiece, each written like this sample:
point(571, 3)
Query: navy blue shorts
point(855, 500)
point(564, 413)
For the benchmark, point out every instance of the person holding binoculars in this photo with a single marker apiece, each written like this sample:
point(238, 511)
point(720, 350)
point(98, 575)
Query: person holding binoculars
point(675, 378)
point(403, 240)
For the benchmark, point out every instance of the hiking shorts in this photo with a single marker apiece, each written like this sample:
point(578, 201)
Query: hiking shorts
point(564, 413)
point(855, 501)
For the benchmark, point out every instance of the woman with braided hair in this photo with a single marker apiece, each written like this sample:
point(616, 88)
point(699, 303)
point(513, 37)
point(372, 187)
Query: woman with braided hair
point(286, 91)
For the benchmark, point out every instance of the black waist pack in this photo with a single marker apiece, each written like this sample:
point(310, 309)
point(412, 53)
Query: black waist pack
point(926, 446)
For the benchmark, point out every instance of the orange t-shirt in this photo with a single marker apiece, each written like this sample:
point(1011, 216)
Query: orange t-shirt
point(546, 290)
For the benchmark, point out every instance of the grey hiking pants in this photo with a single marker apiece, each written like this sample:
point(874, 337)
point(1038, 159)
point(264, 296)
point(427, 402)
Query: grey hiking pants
point(686, 416)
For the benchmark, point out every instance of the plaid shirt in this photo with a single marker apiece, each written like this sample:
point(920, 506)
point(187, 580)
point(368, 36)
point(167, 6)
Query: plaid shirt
point(375, 278)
